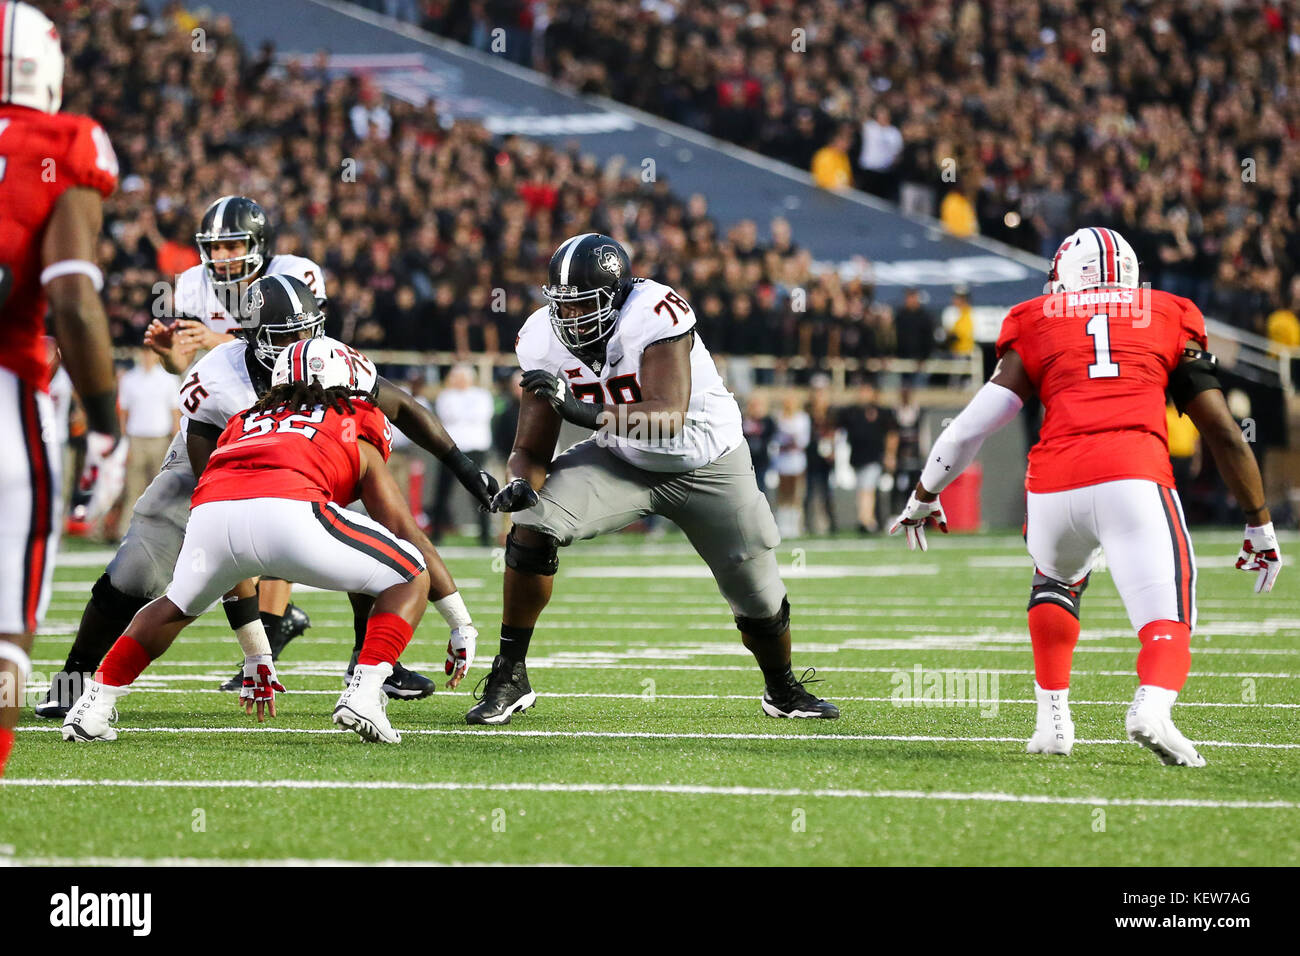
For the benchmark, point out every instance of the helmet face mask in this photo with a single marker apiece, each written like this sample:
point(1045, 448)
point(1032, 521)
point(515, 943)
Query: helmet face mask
point(270, 340)
point(589, 278)
point(278, 311)
point(228, 269)
point(581, 319)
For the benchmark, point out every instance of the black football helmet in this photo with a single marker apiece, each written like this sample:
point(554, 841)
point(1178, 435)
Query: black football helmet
point(593, 272)
point(275, 312)
point(234, 218)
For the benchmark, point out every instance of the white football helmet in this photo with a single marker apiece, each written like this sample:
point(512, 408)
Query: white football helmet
point(326, 361)
point(31, 60)
point(1093, 258)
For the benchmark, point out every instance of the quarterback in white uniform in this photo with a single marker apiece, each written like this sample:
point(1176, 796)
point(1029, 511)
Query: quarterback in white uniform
point(620, 356)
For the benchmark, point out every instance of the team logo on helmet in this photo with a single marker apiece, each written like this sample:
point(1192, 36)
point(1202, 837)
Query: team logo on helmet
point(255, 298)
point(607, 259)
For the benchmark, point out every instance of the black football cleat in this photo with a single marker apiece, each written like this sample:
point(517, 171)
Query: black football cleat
point(235, 683)
point(292, 624)
point(65, 688)
point(402, 684)
point(507, 693)
point(789, 698)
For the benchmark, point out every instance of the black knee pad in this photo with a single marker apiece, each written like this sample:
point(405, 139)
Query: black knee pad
point(1068, 596)
point(767, 628)
point(544, 560)
point(112, 603)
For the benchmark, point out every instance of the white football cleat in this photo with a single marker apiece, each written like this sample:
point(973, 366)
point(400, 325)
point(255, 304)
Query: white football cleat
point(92, 714)
point(1054, 731)
point(1150, 724)
point(363, 706)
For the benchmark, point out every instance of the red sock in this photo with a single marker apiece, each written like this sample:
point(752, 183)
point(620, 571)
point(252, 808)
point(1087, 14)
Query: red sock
point(6, 745)
point(123, 663)
point(386, 637)
point(1166, 654)
point(1054, 631)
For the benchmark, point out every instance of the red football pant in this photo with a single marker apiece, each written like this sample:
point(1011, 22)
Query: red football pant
point(1054, 631)
point(1166, 655)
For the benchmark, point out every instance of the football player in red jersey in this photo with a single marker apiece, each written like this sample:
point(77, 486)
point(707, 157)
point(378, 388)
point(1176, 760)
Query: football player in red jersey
point(54, 172)
point(268, 502)
point(1101, 354)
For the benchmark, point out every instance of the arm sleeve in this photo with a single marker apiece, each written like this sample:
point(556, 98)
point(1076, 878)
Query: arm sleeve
point(991, 408)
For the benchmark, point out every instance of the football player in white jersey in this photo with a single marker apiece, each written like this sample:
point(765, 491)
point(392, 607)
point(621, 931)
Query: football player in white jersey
point(620, 356)
point(236, 245)
point(225, 382)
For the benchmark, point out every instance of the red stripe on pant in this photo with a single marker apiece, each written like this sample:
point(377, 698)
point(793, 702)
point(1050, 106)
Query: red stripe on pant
point(380, 544)
point(1184, 582)
point(41, 524)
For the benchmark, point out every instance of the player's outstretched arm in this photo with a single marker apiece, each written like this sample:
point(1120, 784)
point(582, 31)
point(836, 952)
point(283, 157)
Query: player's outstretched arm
point(993, 406)
point(1209, 412)
point(423, 428)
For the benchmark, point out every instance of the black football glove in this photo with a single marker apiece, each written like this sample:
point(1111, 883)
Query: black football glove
point(556, 391)
point(478, 483)
point(515, 496)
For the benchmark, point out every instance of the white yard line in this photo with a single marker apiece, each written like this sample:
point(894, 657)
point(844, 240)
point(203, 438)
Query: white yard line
point(639, 735)
point(649, 664)
point(145, 689)
point(658, 788)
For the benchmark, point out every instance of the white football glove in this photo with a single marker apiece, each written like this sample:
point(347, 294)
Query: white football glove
point(460, 653)
point(916, 516)
point(260, 686)
point(1259, 552)
point(104, 474)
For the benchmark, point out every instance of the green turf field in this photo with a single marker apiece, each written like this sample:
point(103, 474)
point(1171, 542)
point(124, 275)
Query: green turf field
point(647, 745)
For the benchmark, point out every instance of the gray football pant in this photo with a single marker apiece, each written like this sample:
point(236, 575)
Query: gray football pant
point(591, 491)
point(146, 558)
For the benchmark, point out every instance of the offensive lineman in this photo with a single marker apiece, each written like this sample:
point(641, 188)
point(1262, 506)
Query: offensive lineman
point(268, 502)
point(1101, 359)
point(621, 354)
point(49, 228)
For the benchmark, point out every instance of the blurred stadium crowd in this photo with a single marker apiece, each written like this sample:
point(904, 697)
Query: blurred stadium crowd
point(1173, 121)
point(434, 236)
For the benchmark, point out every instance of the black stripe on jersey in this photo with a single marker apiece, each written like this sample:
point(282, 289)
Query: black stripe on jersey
point(318, 510)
